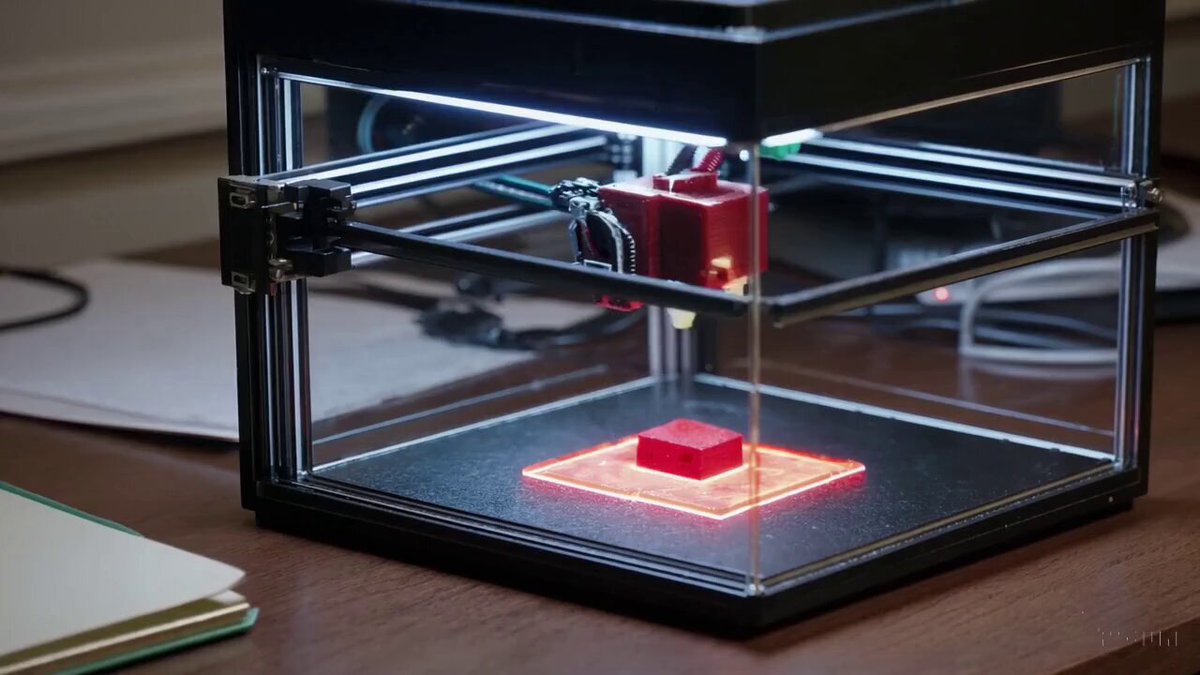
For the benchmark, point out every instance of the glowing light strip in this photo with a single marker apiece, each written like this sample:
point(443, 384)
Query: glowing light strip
point(561, 118)
point(527, 113)
point(653, 501)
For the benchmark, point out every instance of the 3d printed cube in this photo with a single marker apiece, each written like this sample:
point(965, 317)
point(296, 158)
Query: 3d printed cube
point(689, 449)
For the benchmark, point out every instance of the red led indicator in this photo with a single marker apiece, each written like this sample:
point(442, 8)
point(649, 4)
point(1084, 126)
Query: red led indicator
point(613, 469)
point(941, 294)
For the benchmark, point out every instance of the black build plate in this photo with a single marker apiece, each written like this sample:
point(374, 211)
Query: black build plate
point(916, 474)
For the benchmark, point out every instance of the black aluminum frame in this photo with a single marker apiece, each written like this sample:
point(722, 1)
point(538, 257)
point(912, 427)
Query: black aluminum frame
point(272, 329)
point(741, 75)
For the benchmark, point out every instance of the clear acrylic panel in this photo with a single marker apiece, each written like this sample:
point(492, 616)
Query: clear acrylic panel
point(950, 409)
point(1078, 120)
point(747, 360)
point(479, 392)
point(400, 351)
point(538, 437)
point(896, 335)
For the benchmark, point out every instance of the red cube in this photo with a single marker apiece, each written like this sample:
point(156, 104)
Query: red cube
point(689, 449)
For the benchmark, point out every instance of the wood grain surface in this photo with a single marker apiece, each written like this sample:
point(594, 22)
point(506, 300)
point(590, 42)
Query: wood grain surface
point(1082, 599)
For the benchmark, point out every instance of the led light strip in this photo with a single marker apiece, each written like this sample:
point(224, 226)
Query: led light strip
point(526, 113)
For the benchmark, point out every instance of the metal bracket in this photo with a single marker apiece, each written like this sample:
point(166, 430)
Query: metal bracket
point(1140, 195)
point(273, 232)
point(1150, 193)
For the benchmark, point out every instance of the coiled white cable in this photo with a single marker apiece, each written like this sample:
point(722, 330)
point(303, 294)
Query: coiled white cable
point(1074, 279)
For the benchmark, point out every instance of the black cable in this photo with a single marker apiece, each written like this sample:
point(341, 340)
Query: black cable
point(381, 294)
point(991, 321)
point(605, 324)
point(993, 315)
point(992, 334)
point(473, 325)
point(464, 321)
point(79, 296)
point(506, 190)
point(683, 160)
point(1043, 320)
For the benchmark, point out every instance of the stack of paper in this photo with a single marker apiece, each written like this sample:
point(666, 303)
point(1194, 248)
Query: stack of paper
point(154, 350)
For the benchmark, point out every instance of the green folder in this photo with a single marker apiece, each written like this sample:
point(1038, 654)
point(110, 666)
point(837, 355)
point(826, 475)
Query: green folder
point(118, 644)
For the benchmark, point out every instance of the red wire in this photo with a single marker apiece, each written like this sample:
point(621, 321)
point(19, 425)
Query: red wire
point(713, 159)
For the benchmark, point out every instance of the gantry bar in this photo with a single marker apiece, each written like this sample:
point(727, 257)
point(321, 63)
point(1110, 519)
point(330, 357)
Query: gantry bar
point(784, 309)
point(905, 167)
point(968, 161)
point(445, 164)
point(461, 172)
point(875, 288)
point(339, 168)
point(535, 270)
point(811, 179)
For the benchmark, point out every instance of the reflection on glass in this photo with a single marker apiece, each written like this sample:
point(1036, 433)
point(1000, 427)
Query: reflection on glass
point(748, 359)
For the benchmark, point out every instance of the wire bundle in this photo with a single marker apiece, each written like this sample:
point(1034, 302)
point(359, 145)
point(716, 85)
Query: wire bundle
point(78, 293)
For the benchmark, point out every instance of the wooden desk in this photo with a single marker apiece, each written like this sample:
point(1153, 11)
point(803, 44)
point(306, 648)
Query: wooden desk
point(1079, 601)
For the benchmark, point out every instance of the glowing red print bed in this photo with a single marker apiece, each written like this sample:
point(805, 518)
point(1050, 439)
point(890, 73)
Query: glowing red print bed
point(621, 469)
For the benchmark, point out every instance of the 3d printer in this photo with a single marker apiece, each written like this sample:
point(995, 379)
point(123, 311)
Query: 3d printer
point(698, 421)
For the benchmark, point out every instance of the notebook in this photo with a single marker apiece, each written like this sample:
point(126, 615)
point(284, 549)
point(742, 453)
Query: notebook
point(80, 594)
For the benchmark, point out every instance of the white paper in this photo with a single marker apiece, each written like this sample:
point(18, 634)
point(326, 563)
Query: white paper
point(154, 350)
point(61, 575)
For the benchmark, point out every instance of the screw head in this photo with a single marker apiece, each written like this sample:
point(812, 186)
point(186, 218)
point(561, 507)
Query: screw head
point(1154, 195)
